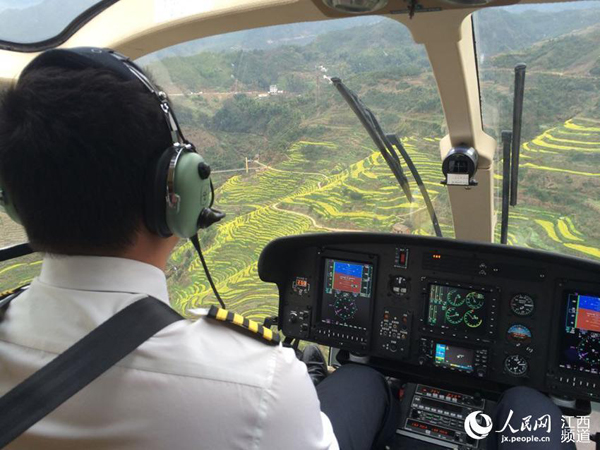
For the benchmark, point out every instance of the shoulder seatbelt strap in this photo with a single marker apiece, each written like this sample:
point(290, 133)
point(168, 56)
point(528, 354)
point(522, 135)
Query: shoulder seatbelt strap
point(68, 373)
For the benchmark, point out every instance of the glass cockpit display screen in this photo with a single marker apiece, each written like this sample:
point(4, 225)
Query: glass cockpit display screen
point(457, 309)
point(453, 357)
point(347, 293)
point(580, 343)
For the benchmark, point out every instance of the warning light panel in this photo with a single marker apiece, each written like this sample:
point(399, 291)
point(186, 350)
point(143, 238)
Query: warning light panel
point(401, 258)
point(301, 286)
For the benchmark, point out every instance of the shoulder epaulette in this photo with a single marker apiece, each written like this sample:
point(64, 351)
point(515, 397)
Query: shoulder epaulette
point(236, 319)
point(7, 296)
point(9, 292)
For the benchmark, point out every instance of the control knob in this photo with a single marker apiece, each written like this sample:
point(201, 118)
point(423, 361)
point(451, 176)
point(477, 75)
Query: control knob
point(399, 285)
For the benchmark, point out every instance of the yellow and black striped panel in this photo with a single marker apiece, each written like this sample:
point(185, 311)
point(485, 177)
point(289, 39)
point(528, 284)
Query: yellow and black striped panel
point(254, 327)
point(9, 292)
point(6, 297)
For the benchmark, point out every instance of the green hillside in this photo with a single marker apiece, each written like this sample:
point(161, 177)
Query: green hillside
point(304, 193)
point(560, 179)
point(520, 29)
point(575, 53)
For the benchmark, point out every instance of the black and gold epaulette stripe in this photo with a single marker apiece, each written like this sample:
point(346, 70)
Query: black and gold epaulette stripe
point(8, 292)
point(6, 297)
point(254, 327)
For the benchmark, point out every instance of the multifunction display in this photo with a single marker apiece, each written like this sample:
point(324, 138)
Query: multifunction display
point(454, 357)
point(347, 293)
point(580, 343)
point(457, 308)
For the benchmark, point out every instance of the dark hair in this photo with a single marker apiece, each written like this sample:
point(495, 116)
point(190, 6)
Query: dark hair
point(75, 146)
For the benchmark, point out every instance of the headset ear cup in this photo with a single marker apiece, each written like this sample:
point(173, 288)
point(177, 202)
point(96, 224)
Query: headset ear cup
point(194, 193)
point(8, 207)
point(12, 212)
point(156, 194)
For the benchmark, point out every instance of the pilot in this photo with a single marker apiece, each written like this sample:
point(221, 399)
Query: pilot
point(77, 141)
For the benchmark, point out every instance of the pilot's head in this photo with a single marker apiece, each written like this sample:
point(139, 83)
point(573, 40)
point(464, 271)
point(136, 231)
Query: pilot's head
point(79, 146)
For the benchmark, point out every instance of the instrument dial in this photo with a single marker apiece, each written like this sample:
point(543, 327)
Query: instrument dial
point(455, 299)
point(453, 316)
point(516, 365)
point(344, 307)
point(522, 305)
point(472, 319)
point(475, 300)
point(588, 349)
point(518, 335)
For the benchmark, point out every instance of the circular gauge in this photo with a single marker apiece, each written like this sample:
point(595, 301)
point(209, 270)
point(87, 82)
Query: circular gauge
point(472, 319)
point(345, 307)
point(453, 316)
point(475, 300)
point(522, 305)
point(516, 365)
point(588, 349)
point(455, 299)
point(518, 335)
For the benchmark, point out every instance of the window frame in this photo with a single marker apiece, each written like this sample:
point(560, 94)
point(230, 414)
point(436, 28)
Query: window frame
point(63, 36)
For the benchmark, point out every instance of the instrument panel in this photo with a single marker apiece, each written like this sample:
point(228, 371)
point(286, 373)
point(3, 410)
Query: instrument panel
point(480, 316)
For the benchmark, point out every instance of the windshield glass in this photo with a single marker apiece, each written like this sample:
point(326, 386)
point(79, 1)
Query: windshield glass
point(28, 21)
point(288, 154)
point(559, 175)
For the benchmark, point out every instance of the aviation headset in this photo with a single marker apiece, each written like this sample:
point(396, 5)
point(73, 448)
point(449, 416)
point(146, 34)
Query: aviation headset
point(179, 193)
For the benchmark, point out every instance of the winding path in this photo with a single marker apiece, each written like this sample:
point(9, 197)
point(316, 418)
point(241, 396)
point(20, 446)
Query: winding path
point(276, 207)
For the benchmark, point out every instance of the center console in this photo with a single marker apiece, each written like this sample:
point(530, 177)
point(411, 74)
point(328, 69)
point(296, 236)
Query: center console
point(434, 415)
point(462, 316)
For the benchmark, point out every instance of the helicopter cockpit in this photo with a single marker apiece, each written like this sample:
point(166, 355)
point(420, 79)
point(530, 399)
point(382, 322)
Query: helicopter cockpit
point(409, 184)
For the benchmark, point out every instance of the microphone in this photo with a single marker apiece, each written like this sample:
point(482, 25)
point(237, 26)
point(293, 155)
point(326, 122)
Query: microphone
point(208, 216)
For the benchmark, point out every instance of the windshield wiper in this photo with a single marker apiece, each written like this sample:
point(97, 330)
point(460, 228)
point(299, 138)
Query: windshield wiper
point(395, 140)
point(385, 144)
point(370, 123)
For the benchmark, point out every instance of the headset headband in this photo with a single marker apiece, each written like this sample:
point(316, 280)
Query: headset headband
point(180, 191)
point(84, 57)
point(120, 65)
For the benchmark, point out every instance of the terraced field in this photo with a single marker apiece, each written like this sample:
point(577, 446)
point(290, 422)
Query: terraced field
point(344, 184)
point(560, 181)
point(311, 191)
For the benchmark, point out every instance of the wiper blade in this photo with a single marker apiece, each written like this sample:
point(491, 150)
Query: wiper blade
point(415, 173)
point(368, 120)
point(385, 144)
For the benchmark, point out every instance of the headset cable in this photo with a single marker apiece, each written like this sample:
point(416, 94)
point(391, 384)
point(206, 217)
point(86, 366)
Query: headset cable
point(196, 244)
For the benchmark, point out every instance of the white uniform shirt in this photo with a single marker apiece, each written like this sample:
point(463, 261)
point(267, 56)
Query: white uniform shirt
point(194, 385)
